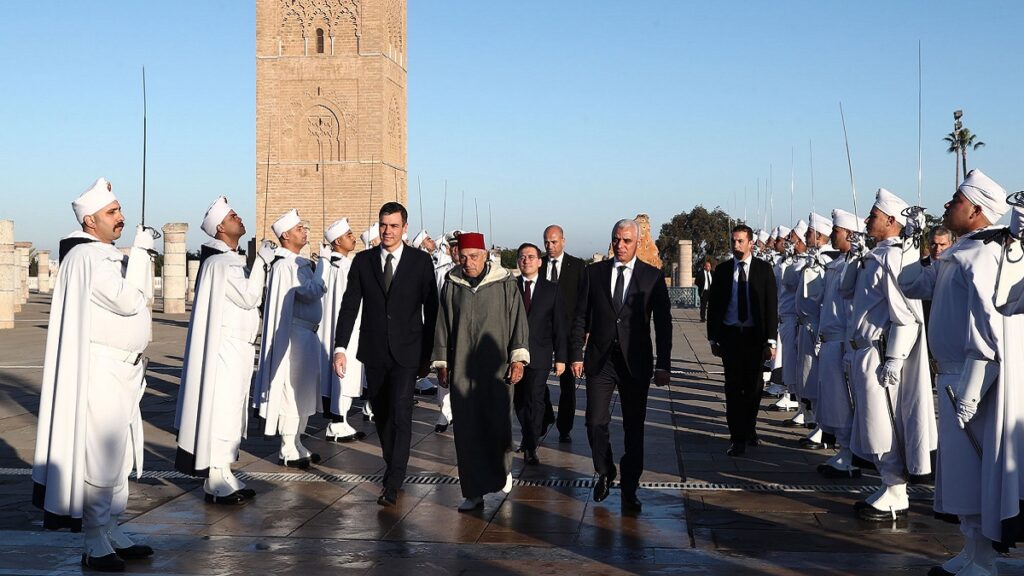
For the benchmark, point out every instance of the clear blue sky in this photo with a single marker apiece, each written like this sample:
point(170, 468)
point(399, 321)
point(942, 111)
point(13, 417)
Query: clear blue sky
point(577, 112)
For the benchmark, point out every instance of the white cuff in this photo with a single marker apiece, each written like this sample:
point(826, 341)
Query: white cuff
point(340, 350)
point(521, 355)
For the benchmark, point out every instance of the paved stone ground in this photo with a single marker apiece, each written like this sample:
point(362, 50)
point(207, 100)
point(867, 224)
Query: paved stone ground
point(704, 513)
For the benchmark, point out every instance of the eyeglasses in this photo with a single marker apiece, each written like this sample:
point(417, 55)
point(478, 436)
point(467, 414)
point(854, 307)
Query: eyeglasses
point(527, 257)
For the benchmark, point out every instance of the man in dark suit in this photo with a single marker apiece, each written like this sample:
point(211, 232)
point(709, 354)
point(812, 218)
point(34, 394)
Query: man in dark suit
point(617, 300)
point(564, 270)
point(742, 329)
point(703, 282)
point(398, 294)
point(548, 337)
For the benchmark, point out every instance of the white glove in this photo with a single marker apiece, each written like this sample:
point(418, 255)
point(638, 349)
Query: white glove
point(915, 224)
point(891, 372)
point(144, 239)
point(965, 410)
point(325, 250)
point(266, 252)
point(817, 346)
point(321, 271)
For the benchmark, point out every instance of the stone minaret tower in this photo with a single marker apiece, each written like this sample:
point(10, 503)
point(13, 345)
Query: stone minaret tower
point(330, 111)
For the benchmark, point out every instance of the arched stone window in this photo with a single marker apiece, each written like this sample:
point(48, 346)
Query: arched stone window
point(319, 40)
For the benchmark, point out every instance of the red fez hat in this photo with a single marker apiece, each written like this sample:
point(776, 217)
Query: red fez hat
point(472, 240)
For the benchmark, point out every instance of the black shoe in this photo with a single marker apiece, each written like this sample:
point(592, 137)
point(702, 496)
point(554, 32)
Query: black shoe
point(753, 441)
point(388, 497)
point(830, 472)
point(736, 449)
point(809, 444)
point(300, 463)
point(440, 428)
point(108, 563)
point(530, 458)
point(791, 424)
point(346, 439)
point(873, 514)
point(564, 438)
point(235, 497)
point(427, 392)
point(134, 552)
point(604, 484)
point(314, 458)
point(630, 502)
point(247, 493)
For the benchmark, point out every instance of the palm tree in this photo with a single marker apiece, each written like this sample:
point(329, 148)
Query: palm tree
point(959, 141)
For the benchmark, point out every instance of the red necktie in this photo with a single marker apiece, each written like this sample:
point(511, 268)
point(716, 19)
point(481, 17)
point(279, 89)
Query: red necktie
point(527, 297)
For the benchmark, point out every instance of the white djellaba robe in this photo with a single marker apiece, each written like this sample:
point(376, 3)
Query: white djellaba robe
point(834, 409)
point(90, 427)
point(781, 263)
point(333, 390)
point(788, 328)
point(217, 369)
point(809, 294)
point(878, 304)
point(287, 382)
point(964, 326)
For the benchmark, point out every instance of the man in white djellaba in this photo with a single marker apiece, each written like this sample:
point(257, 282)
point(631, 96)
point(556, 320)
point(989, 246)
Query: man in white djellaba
point(219, 350)
point(894, 422)
point(338, 392)
point(974, 347)
point(90, 428)
point(288, 380)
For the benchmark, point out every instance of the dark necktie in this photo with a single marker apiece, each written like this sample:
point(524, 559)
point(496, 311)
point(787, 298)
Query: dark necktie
point(741, 294)
point(620, 282)
point(389, 272)
point(527, 295)
point(554, 271)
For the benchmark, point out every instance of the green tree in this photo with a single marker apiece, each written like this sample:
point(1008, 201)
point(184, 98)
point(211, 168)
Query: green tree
point(707, 229)
point(959, 142)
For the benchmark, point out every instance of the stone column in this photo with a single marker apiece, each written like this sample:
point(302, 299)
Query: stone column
point(174, 272)
point(193, 273)
point(7, 274)
point(685, 263)
point(22, 260)
point(43, 271)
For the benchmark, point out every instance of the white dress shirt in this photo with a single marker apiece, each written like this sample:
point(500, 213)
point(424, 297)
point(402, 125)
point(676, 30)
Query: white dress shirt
point(732, 312)
point(555, 264)
point(394, 261)
point(627, 275)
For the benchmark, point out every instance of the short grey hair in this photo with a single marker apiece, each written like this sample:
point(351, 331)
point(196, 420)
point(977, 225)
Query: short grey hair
point(939, 231)
point(625, 223)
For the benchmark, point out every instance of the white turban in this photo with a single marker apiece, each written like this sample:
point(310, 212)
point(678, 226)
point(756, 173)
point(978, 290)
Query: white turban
point(93, 200)
point(847, 220)
point(891, 205)
point(289, 220)
point(370, 234)
point(774, 234)
point(820, 224)
point(336, 230)
point(452, 238)
point(418, 240)
point(762, 236)
point(800, 229)
point(984, 193)
point(215, 214)
point(783, 231)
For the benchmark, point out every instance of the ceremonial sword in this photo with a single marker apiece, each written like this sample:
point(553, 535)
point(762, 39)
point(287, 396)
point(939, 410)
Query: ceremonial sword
point(963, 425)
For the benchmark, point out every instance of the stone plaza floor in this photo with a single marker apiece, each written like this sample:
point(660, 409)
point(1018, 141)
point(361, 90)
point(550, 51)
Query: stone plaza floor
point(768, 512)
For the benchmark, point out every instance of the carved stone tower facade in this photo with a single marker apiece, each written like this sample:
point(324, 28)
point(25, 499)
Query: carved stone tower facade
point(330, 111)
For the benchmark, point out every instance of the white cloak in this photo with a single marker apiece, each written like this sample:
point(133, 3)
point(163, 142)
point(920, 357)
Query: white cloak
point(788, 329)
point(332, 388)
point(809, 295)
point(285, 340)
point(224, 283)
point(90, 290)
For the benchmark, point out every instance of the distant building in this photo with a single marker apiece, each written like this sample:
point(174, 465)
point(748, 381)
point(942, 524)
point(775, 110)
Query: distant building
point(330, 110)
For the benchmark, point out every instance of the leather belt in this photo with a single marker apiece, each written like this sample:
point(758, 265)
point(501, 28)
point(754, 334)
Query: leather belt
point(126, 356)
point(831, 337)
point(305, 324)
point(948, 367)
point(862, 343)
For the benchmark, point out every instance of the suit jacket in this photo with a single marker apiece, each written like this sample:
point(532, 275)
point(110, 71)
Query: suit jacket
point(764, 302)
point(645, 298)
point(699, 281)
point(399, 323)
point(548, 328)
point(568, 281)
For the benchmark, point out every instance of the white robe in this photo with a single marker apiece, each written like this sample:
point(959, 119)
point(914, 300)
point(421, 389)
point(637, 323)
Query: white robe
point(878, 303)
point(218, 365)
point(809, 294)
point(288, 378)
point(332, 388)
point(834, 408)
point(90, 427)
